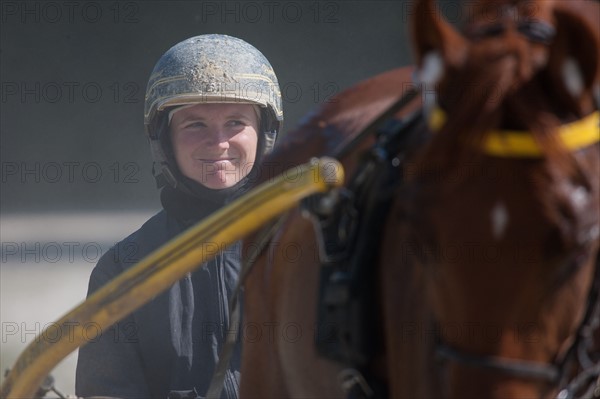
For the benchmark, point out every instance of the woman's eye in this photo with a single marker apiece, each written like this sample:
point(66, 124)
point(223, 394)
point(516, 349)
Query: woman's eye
point(193, 125)
point(236, 123)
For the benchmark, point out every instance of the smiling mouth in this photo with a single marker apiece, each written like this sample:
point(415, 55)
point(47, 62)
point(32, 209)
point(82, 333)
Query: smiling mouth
point(209, 160)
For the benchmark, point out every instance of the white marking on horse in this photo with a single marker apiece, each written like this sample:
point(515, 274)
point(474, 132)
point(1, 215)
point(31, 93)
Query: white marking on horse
point(579, 197)
point(433, 68)
point(499, 216)
point(429, 76)
point(573, 77)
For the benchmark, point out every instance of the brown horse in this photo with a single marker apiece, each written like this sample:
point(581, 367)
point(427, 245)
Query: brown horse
point(483, 280)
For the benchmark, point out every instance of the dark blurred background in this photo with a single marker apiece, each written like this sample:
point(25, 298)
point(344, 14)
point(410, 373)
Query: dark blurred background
point(74, 73)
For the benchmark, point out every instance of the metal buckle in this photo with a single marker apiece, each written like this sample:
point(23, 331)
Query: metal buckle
point(350, 378)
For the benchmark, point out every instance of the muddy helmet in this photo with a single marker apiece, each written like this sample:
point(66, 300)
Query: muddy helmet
point(208, 69)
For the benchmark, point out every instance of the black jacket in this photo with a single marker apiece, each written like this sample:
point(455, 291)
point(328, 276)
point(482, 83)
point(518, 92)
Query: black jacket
point(173, 342)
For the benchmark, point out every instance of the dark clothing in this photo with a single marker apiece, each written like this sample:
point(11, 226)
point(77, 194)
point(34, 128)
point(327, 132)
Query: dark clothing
point(173, 342)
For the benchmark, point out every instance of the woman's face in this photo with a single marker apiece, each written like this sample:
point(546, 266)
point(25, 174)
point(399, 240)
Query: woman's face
point(215, 144)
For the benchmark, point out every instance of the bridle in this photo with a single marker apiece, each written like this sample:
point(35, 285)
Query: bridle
point(534, 30)
point(577, 360)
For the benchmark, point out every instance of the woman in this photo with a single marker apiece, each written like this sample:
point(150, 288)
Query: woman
point(213, 110)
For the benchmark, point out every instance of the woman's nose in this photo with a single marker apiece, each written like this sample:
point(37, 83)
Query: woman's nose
point(218, 137)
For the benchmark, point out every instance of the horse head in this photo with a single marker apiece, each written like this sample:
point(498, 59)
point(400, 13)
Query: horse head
point(504, 218)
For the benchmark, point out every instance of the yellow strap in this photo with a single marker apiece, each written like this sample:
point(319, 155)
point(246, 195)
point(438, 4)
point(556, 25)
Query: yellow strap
point(510, 143)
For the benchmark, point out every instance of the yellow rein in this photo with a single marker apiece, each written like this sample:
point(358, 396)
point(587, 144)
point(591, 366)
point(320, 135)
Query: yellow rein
point(516, 144)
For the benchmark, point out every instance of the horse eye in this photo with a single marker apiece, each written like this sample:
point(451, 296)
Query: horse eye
point(536, 31)
point(488, 31)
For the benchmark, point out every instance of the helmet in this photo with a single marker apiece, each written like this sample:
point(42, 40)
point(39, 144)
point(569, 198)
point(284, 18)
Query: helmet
point(208, 69)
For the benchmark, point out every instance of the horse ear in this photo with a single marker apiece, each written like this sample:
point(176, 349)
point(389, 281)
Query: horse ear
point(575, 52)
point(433, 34)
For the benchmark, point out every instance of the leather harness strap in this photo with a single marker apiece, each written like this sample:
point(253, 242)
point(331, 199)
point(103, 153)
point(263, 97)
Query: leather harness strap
point(349, 226)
